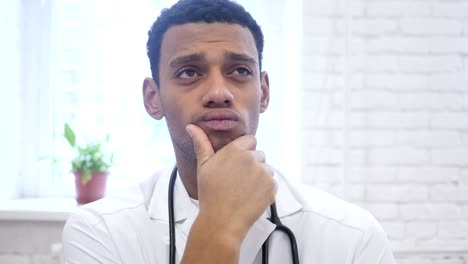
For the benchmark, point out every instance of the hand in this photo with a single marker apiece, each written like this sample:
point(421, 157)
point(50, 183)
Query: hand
point(235, 185)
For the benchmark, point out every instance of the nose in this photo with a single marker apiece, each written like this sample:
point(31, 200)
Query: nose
point(217, 93)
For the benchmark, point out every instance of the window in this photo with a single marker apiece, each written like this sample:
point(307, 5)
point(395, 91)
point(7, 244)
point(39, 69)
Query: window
point(84, 64)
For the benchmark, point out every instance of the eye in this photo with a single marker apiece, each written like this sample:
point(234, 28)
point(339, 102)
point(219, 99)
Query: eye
point(187, 73)
point(242, 71)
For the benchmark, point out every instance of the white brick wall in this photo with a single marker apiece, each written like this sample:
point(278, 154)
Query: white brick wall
point(409, 118)
point(30, 242)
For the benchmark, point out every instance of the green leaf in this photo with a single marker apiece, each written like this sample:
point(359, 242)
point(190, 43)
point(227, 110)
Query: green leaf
point(86, 177)
point(69, 135)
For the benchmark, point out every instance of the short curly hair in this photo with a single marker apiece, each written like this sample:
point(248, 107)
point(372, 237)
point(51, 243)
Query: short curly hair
point(195, 11)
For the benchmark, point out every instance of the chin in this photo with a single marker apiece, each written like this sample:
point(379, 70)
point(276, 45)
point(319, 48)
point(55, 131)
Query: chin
point(220, 142)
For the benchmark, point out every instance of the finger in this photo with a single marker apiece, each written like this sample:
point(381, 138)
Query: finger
point(246, 142)
point(259, 156)
point(268, 169)
point(201, 144)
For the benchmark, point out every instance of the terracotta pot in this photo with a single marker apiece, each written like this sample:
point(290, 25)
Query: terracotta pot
point(93, 190)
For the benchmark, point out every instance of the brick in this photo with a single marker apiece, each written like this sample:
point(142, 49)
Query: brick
point(445, 211)
point(323, 137)
point(450, 120)
point(369, 27)
point(40, 235)
point(14, 259)
point(355, 192)
point(397, 9)
point(44, 259)
point(330, 8)
point(447, 9)
point(351, 192)
point(332, 119)
point(323, 64)
point(326, 82)
point(314, 101)
point(430, 64)
point(383, 211)
point(427, 174)
point(449, 82)
point(449, 260)
point(324, 156)
point(455, 157)
point(465, 139)
point(366, 100)
point(398, 120)
point(394, 229)
point(442, 245)
point(418, 45)
point(465, 28)
point(396, 82)
point(428, 138)
point(406, 45)
point(314, 45)
point(464, 177)
point(453, 229)
point(319, 26)
point(377, 138)
point(413, 259)
point(357, 157)
point(429, 101)
point(430, 26)
point(375, 63)
point(323, 174)
point(412, 211)
point(397, 193)
point(372, 174)
point(464, 211)
point(449, 193)
point(331, 45)
point(428, 211)
point(448, 45)
point(421, 229)
point(398, 156)
point(333, 156)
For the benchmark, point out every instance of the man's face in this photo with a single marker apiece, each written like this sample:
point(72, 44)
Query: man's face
point(209, 76)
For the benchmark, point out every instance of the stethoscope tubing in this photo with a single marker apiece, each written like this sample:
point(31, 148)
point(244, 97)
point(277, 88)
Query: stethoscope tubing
point(265, 247)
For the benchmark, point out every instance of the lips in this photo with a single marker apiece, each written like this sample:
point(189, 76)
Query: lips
point(219, 120)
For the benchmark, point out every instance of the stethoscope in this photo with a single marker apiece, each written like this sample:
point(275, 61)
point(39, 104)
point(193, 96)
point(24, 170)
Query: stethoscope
point(274, 219)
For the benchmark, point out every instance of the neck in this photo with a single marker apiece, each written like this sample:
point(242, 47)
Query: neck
point(187, 168)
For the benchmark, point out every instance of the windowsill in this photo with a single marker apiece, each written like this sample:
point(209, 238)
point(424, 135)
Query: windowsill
point(37, 209)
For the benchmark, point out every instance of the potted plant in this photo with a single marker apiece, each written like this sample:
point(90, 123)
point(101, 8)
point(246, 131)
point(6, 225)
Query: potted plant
point(90, 166)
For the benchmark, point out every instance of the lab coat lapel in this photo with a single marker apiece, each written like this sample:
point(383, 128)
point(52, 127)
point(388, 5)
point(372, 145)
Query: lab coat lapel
point(158, 205)
point(185, 211)
point(254, 239)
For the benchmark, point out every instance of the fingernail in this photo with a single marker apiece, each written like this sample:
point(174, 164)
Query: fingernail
point(188, 131)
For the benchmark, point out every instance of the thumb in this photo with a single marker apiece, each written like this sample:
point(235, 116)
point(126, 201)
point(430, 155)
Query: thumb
point(201, 144)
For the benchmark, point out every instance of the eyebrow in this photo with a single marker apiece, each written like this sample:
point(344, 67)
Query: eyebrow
point(197, 57)
point(186, 59)
point(239, 57)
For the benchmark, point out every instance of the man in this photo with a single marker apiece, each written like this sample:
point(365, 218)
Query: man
point(208, 84)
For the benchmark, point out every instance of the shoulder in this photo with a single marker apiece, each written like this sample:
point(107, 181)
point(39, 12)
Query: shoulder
point(130, 202)
point(327, 208)
point(342, 223)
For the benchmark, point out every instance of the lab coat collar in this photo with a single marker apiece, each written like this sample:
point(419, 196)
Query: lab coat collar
point(158, 206)
point(286, 202)
point(185, 212)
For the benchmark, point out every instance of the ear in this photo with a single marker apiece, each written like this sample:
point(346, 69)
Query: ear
point(152, 100)
point(265, 96)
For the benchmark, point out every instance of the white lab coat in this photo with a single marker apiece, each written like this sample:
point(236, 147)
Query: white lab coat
point(134, 229)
